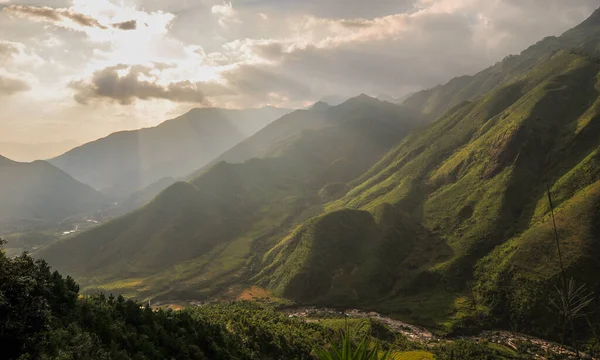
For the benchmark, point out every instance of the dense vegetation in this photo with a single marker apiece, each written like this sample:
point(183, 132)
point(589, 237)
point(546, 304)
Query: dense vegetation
point(42, 316)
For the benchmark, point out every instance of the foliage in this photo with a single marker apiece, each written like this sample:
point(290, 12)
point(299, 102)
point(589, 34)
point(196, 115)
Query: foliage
point(465, 350)
point(346, 350)
point(42, 316)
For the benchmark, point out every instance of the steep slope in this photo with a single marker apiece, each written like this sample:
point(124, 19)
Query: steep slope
point(196, 238)
point(40, 191)
point(433, 102)
point(350, 257)
point(476, 179)
point(127, 161)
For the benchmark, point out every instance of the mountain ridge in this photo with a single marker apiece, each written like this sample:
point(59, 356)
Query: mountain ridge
point(228, 209)
point(127, 161)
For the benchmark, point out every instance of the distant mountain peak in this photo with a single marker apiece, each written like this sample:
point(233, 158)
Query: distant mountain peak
point(319, 106)
point(362, 99)
point(364, 96)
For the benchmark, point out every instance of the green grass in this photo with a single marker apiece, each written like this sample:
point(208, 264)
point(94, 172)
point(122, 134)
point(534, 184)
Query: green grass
point(412, 355)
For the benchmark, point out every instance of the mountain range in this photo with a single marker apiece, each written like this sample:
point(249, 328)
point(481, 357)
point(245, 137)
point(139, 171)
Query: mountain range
point(216, 220)
point(128, 161)
point(436, 210)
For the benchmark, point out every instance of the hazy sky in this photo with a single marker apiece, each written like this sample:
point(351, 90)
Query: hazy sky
point(80, 69)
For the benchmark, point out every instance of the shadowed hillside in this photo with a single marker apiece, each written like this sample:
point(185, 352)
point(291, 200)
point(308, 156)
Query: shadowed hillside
point(40, 191)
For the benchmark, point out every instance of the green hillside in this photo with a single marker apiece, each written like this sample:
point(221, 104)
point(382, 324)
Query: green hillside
point(196, 238)
point(476, 180)
point(128, 161)
point(351, 257)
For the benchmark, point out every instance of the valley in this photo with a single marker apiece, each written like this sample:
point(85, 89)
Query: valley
point(460, 221)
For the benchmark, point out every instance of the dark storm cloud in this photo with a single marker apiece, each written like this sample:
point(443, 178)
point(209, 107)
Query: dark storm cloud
point(107, 84)
point(10, 86)
point(126, 25)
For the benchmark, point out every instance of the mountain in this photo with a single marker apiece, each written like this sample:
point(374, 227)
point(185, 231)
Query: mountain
point(464, 202)
point(451, 227)
point(128, 161)
point(41, 191)
point(458, 213)
point(319, 106)
point(584, 38)
point(38, 151)
point(262, 143)
point(197, 237)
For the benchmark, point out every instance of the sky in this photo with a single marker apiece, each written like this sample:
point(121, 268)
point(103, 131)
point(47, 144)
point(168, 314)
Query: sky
point(77, 70)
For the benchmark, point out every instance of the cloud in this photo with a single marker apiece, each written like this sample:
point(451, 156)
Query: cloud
point(53, 15)
point(126, 25)
point(226, 15)
point(333, 9)
point(260, 82)
point(125, 83)
point(402, 52)
point(247, 53)
point(58, 16)
point(10, 86)
point(7, 51)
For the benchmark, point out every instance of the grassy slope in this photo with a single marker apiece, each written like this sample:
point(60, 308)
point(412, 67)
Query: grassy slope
point(474, 179)
point(199, 237)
